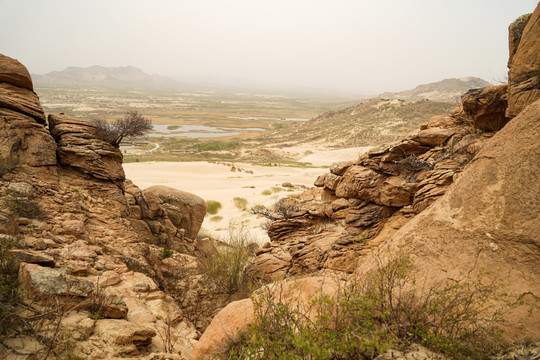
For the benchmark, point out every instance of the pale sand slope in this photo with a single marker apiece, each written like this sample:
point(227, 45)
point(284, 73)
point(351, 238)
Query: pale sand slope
point(217, 182)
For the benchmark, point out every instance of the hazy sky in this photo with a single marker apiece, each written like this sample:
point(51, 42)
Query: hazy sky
point(361, 46)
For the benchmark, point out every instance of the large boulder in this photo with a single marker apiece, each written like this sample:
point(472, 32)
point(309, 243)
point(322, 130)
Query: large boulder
point(486, 107)
point(45, 281)
point(524, 74)
point(486, 225)
point(13, 72)
point(22, 120)
point(78, 147)
point(185, 210)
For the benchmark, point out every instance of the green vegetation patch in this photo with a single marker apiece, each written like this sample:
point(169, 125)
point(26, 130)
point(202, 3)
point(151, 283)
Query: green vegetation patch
point(266, 192)
point(216, 218)
point(212, 207)
point(378, 312)
point(240, 203)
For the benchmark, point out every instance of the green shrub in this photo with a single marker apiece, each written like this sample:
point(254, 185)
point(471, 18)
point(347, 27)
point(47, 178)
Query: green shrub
point(276, 189)
point(166, 253)
point(371, 316)
point(20, 204)
point(225, 271)
point(216, 218)
point(240, 203)
point(212, 207)
point(7, 165)
point(266, 192)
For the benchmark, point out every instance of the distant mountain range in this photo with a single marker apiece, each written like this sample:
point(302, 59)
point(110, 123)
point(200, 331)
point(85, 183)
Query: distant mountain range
point(123, 77)
point(447, 90)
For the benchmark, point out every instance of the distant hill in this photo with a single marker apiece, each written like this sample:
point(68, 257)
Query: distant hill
point(124, 77)
point(447, 90)
point(372, 123)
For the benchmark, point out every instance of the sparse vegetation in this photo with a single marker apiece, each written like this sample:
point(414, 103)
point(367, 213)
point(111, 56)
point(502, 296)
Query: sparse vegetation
point(212, 207)
point(9, 267)
point(266, 192)
point(131, 124)
point(166, 253)
point(216, 218)
point(225, 271)
point(374, 314)
point(240, 203)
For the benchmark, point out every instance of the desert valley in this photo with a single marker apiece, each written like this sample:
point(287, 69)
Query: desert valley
point(265, 224)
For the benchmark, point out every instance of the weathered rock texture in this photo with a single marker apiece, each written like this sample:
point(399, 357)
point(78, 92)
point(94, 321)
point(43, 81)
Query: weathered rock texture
point(78, 147)
point(524, 63)
point(487, 224)
point(328, 228)
point(84, 243)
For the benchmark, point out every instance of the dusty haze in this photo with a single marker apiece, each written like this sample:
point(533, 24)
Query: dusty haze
point(363, 47)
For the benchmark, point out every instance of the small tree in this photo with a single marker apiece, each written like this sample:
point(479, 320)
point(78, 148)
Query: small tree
point(132, 124)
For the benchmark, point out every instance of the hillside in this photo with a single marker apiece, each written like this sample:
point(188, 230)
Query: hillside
point(374, 122)
point(122, 77)
point(448, 90)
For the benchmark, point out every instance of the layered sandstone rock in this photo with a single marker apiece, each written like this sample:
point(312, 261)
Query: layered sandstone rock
point(80, 148)
point(524, 74)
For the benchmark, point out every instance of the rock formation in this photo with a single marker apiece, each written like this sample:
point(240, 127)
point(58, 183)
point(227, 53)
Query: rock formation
point(76, 234)
point(460, 196)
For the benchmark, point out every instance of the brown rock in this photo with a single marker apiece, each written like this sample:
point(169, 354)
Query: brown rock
point(225, 327)
point(25, 139)
point(123, 332)
point(515, 32)
point(74, 228)
point(433, 136)
point(185, 210)
point(79, 148)
point(33, 257)
point(15, 73)
point(524, 74)
point(15, 99)
point(47, 281)
point(8, 225)
point(394, 192)
point(339, 168)
point(486, 107)
point(486, 225)
point(359, 182)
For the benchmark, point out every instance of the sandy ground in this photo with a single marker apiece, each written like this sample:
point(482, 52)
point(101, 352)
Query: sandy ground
point(213, 181)
point(216, 181)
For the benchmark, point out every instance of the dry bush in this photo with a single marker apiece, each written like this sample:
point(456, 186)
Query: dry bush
point(373, 314)
point(131, 124)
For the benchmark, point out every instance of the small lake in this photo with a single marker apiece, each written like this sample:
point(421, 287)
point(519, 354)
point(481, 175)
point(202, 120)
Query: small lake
point(197, 131)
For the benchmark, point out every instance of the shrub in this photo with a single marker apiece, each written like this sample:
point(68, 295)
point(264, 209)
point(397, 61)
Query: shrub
point(266, 192)
point(9, 267)
point(131, 124)
point(216, 218)
point(225, 271)
point(212, 207)
point(276, 189)
point(7, 165)
point(370, 316)
point(166, 253)
point(19, 204)
point(240, 203)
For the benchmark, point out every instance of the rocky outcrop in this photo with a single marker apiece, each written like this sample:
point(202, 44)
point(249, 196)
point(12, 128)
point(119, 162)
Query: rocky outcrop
point(489, 216)
point(80, 247)
point(80, 148)
point(524, 64)
point(325, 229)
point(165, 215)
point(487, 107)
point(185, 210)
point(21, 118)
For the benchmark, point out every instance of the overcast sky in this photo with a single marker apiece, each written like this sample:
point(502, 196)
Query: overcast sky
point(360, 46)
